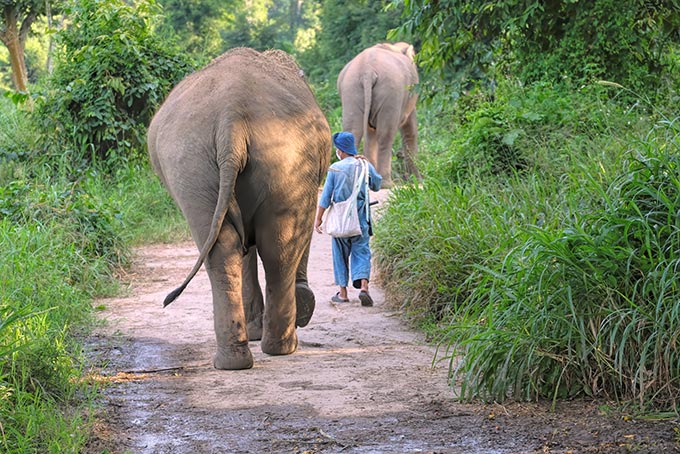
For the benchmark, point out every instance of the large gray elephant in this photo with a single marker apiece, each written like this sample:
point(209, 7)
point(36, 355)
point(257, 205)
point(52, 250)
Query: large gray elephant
point(378, 99)
point(242, 147)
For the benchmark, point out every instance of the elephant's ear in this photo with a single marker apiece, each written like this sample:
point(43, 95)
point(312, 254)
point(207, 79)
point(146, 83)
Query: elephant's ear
point(410, 52)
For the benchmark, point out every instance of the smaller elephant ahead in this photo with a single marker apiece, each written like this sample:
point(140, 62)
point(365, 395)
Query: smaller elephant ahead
point(378, 99)
point(242, 147)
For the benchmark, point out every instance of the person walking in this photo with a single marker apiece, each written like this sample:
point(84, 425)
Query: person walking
point(354, 252)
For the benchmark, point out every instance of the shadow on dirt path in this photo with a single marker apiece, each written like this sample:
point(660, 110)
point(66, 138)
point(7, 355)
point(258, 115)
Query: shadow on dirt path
point(360, 382)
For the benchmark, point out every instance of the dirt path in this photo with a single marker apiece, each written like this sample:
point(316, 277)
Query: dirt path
point(360, 382)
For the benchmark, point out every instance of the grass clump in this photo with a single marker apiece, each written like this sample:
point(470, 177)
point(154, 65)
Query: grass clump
point(65, 229)
point(591, 308)
point(62, 241)
point(44, 300)
point(557, 279)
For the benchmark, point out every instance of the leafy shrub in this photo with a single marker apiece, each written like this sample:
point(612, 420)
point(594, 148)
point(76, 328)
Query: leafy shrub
point(45, 287)
point(592, 307)
point(543, 128)
point(19, 138)
point(555, 282)
point(628, 42)
point(111, 73)
point(93, 225)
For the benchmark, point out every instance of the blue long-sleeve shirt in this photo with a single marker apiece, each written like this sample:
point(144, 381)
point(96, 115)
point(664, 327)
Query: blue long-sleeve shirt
point(340, 183)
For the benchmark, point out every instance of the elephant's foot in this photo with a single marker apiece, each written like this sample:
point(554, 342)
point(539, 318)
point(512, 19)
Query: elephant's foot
point(255, 330)
point(305, 303)
point(235, 357)
point(279, 346)
point(387, 184)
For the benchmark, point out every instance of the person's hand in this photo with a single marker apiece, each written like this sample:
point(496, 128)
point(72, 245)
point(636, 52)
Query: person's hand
point(318, 220)
point(360, 156)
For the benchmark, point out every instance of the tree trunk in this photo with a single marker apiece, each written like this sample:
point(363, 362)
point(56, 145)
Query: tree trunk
point(50, 48)
point(14, 37)
point(294, 16)
point(16, 57)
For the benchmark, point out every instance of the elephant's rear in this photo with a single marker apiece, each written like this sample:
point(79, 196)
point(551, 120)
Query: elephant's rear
point(239, 132)
point(231, 102)
point(242, 146)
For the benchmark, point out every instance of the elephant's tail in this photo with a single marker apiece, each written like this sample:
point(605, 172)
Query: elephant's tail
point(226, 207)
point(368, 81)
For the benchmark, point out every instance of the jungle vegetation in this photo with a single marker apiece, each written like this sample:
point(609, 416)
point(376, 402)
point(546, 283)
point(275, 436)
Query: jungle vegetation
point(540, 253)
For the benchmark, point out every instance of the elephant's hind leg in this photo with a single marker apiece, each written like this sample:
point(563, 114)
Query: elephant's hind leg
point(305, 302)
point(253, 301)
point(224, 267)
point(279, 336)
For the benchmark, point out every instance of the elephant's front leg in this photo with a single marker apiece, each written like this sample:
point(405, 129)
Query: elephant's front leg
point(224, 266)
point(253, 301)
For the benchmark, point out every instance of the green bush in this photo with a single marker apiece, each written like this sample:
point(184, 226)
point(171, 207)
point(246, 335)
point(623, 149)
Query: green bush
point(93, 225)
point(542, 128)
point(630, 42)
point(557, 281)
point(45, 290)
point(111, 74)
point(590, 308)
point(19, 137)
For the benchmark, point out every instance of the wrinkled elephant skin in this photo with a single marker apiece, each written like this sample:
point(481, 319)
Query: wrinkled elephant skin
point(242, 147)
point(378, 99)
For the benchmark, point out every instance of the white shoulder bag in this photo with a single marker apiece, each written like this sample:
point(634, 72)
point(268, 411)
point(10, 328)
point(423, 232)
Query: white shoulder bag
point(342, 218)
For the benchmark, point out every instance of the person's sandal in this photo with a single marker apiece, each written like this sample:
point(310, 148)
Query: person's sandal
point(336, 299)
point(365, 299)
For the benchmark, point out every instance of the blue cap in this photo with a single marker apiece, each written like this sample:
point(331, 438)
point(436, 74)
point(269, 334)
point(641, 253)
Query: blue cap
point(344, 141)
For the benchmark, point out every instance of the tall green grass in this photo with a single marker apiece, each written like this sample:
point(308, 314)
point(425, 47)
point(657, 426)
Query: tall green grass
point(65, 229)
point(594, 307)
point(43, 304)
point(552, 279)
point(62, 240)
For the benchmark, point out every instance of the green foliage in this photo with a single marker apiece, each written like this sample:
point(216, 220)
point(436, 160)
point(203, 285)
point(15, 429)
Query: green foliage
point(347, 28)
point(39, 307)
point(93, 222)
point(538, 128)
point(623, 41)
point(197, 25)
point(19, 137)
point(557, 281)
point(591, 308)
point(45, 285)
point(61, 240)
point(453, 230)
point(111, 74)
point(263, 25)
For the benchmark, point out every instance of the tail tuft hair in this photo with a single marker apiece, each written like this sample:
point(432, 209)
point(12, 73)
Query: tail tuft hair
point(173, 295)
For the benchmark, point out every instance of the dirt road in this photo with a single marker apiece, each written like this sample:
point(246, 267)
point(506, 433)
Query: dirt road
point(360, 382)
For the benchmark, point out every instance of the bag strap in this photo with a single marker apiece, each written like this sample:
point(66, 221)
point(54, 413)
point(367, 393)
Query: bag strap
point(357, 184)
point(357, 180)
point(368, 198)
point(358, 177)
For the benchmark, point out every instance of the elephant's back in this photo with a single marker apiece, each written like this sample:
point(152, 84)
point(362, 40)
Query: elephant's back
point(389, 70)
point(239, 81)
point(242, 86)
point(241, 97)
